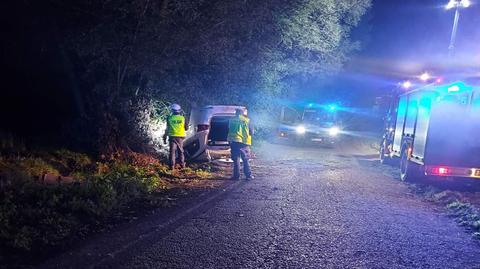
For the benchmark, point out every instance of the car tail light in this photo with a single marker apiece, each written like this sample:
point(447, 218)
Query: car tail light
point(202, 127)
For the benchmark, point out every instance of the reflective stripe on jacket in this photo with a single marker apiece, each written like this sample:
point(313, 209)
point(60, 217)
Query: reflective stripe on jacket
point(238, 130)
point(176, 126)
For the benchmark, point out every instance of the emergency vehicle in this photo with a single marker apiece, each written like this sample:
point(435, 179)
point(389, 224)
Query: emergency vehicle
point(310, 124)
point(435, 131)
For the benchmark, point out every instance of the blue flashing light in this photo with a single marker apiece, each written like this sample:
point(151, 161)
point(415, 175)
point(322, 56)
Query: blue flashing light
point(456, 87)
point(332, 107)
point(310, 105)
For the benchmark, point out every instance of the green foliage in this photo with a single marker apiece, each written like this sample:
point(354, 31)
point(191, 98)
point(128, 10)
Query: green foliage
point(477, 235)
point(466, 214)
point(149, 123)
point(36, 167)
point(76, 161)
point(160, 111)
point(195, 53)
point(9, 144)
point(202, 174)
point(33, 215)
point(462, 206)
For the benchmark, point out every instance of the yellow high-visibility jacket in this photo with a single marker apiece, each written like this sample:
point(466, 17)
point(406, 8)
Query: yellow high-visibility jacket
point(238, 130)
point(176, 126)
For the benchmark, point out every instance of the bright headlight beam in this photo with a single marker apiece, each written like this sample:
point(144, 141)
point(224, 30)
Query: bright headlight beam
point(300, 129)
point(333, 131)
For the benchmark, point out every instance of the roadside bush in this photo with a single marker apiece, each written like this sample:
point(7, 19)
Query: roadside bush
point(466, 214)
point(68, 162)
point(463, 207)
point(33, 215)
point(73, 160)
point(36, 167)
point(203, 174)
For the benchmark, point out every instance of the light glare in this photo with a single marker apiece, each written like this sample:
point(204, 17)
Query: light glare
point(425, 76)
point(458, 3)
point(443, 170)
point(407, 84)
point(451, 4)
point(334, 131)
point(454, 88)
point(300, 129)
point(465, 3)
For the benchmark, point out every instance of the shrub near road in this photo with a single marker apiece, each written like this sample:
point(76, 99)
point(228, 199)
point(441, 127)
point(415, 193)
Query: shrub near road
point(36, 215)
point(461, 200)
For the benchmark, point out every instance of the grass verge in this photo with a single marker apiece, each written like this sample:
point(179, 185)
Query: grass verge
point(37, 215)
point(463, 205)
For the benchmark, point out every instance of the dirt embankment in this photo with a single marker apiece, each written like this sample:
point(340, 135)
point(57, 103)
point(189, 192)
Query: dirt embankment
point(40, 211)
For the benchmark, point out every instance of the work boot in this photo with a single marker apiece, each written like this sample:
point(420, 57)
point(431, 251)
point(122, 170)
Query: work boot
point(250, 177)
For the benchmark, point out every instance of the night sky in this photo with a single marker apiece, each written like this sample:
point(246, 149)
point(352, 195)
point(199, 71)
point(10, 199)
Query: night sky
point(424, 26)
point(408, 37)
point(401, 39)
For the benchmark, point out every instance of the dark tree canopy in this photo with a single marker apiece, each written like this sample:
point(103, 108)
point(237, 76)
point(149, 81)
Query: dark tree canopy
point(118, 56)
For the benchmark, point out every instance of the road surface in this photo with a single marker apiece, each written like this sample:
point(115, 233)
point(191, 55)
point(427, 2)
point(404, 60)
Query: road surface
point(307, 208)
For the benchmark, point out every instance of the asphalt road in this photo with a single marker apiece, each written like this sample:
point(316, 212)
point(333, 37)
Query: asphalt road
point(307, 208)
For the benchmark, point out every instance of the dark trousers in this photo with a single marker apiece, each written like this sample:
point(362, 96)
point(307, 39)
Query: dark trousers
point(240, 150)
point(176, 146)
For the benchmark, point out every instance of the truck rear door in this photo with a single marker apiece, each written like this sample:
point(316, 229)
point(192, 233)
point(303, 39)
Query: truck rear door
point(406, 120)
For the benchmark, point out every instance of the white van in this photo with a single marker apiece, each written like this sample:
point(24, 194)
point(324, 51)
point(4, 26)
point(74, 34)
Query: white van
point(208, 130)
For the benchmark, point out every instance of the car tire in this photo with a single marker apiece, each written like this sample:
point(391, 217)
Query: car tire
point(409, 171)
point(385, 159)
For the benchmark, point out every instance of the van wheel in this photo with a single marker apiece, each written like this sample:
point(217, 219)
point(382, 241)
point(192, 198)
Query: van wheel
point(383, 158)
point(409, 171)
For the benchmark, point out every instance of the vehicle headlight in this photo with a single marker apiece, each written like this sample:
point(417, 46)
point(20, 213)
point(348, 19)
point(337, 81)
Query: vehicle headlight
point(334, 131)
point(300, 129)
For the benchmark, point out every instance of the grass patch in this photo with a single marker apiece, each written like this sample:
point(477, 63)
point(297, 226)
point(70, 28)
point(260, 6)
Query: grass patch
point(462, 206)
point(35, 216)
point(466, 214)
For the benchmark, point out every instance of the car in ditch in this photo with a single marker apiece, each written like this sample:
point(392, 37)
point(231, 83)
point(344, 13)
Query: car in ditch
point(207, 136)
